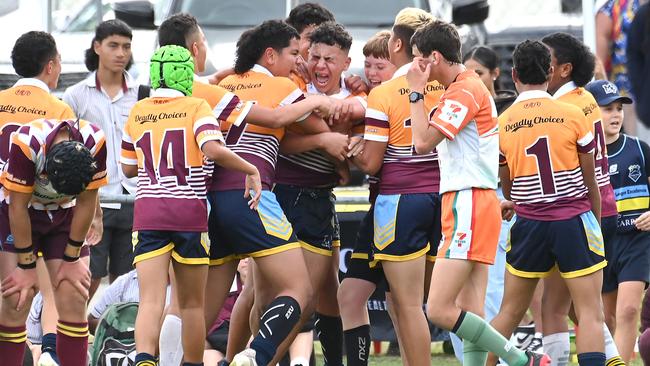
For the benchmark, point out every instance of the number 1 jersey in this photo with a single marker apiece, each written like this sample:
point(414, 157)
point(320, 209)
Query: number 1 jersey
point(540, 139)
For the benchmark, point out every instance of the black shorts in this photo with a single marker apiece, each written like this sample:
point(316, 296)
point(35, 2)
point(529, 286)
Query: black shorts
point(114, 253)
point(218, 338)
point(236, 231)
point(361, 264)
point(406, 225)
point(628, 259)
point(575, 245)
point(187, 247)
point(312, 213)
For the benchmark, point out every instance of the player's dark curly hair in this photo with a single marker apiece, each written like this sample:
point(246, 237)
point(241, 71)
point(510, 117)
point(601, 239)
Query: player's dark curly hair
point(332, 34)
point(176, 30)
point(104, 30)
point(569, 49)
point(251, 44)
point(308, 14)
point(438, 36)
point(31, 52)
point(70, 167)
point(532, 62)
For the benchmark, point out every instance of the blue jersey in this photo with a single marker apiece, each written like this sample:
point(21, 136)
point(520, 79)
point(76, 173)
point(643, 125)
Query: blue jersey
point(629, 177)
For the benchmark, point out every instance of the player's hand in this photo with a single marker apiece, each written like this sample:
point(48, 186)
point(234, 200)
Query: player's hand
point(22, 282)
point(643, 222)
point(356, 85)
point(341, 112)
point(302, 69)
point(418, 74)
point(216, 78)
point(356, 145)
point(77, 273)
point(335, 144)
point(253, 189)
point(96, 231)
point(507, 210)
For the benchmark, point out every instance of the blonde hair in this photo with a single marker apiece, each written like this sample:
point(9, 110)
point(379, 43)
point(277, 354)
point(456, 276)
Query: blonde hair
point(413, 18)
point(377, 45)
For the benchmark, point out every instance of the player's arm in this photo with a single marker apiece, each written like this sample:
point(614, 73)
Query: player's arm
point(372, 157)
point(84, 212)
point(425, 136)
point(19, 221)
point(333, 144)
point(506, 182)
point(221, 155)
point(128, 157)
point(587, 166)
point(288, 114)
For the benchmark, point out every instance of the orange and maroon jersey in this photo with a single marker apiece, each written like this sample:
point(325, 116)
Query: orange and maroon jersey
point(163, 137)
point(25, 169)
point(469, 155)
point(581, 98)
point(257, 145)
point(226, 106)
point(388, 119)
point(312, 168)
point(29, 99)
point(540, 141)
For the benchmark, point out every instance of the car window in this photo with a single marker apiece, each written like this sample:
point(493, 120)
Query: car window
point(368, 13)
point(86, 19)
point(233, 13)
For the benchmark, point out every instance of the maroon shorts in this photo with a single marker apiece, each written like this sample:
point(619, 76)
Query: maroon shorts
point(50, 231)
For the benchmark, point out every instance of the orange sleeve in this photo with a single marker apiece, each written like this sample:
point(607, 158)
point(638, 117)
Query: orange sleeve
point(457, 107)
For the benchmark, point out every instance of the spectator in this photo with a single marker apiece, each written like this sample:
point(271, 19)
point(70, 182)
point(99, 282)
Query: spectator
point(644, 338)
point(638, 64)
point(123, 289)
point(613, 22)
point(111, 92)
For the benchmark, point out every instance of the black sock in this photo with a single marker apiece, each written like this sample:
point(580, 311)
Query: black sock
point(275, 325)
point(330, 333)
point(49, 345)
point(357, 345)
point(591, 359)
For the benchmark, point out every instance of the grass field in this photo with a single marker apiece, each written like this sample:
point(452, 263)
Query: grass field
point(438, 358)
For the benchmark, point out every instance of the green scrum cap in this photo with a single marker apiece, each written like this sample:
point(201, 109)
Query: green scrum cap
point(172, 67)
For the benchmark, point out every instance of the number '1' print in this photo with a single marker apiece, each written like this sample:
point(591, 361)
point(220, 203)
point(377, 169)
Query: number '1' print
point(540, 150)
point(172, 156)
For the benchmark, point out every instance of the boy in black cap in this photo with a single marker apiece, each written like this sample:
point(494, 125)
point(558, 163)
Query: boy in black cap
point(628, 255)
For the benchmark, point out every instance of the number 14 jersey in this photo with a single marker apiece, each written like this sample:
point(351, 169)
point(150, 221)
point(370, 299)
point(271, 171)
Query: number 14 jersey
point(540, 139)
point(163, 137)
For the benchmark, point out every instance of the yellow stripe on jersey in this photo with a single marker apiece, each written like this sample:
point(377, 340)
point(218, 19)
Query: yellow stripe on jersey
point(630, 204)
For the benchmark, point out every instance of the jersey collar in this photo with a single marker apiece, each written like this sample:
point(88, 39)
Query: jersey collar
point(565, 89)
point(32, 82)
point(166, 93)
point(261, 69)
point(401, 71)
point(531, 94)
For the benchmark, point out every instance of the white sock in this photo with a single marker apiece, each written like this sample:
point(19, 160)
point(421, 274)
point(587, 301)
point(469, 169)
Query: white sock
point(170, 343)
point(300, 361)
point(558, 347)
point(610, 347)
